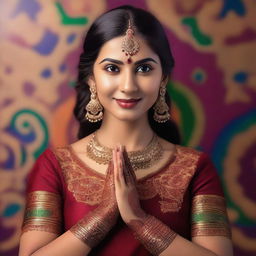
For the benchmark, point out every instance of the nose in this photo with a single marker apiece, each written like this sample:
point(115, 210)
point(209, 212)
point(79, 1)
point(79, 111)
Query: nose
point(128, 83)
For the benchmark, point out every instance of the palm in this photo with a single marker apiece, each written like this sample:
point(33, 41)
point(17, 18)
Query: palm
point(125, 188)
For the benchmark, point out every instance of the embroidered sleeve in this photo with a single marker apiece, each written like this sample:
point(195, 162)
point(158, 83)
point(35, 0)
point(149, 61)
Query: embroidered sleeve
point(45, 174)
point(209, 216)
point(43, 212)
point(208, 212)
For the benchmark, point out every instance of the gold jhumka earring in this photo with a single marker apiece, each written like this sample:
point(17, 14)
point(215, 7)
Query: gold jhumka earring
point(161, 109)
point(130, 46)
point(94, 110)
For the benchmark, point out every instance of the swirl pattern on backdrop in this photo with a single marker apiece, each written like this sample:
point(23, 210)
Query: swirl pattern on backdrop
point(213, 92)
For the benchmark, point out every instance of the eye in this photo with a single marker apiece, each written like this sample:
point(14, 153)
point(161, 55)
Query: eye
point(111, 68)
point(144, 68)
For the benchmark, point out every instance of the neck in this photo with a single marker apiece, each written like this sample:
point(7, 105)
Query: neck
point(133, 135)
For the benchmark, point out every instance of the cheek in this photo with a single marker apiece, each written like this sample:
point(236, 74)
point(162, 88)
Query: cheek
point(150, 87)
point(105, 88)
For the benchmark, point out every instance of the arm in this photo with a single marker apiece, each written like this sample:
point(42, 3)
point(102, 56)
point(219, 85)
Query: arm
point(79, 240)
point(36, 243)
point(42, 222)
point(158, 238)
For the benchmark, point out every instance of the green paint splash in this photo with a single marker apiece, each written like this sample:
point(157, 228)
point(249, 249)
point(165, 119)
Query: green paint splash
point(201, 38)
point(188, 121)
point(67, 20)
point(43, 125)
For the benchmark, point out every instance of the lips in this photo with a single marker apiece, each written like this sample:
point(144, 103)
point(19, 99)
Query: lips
point(128, 100)
point(127, 103)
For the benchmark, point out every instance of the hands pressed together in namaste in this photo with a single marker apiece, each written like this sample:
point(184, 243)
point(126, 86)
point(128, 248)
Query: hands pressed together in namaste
point(124, 186)
point(120, 196)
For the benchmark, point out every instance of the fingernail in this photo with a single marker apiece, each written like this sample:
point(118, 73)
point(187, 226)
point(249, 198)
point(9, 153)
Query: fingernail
point(121, 148)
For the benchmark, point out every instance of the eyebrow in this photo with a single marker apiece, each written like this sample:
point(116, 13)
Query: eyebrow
point(121, 63)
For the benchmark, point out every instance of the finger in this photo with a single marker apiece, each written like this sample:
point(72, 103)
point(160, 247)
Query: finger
point(115, 165)
point(125, 171)
point(109, 172)
point(121, 167)
point(130, 175)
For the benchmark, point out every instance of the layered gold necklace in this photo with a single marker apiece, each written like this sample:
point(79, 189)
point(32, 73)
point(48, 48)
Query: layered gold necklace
point(140, 159)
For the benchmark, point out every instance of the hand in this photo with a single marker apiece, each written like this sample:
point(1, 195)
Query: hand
point(125, 187)
point(97, 223)
point(151, 232)
point(108, 200)
point(108, 209)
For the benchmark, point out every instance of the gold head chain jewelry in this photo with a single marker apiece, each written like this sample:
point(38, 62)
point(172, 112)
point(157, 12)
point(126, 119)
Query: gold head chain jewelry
point(130, 46)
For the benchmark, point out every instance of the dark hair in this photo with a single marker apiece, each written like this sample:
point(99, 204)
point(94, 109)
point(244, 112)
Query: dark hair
point(109, 25)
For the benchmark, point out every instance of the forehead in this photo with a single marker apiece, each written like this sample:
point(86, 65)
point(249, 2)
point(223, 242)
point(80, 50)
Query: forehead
point(113, 49)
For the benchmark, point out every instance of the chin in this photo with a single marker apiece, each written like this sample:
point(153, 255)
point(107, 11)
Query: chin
point(128, 115)
point(131, 117)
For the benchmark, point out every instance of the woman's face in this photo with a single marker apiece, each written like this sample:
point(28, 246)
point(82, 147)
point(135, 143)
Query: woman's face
point(126, 90)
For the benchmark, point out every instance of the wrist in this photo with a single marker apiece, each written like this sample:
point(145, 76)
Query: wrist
point(139, 215)
point(152, 233)
point(95, 225)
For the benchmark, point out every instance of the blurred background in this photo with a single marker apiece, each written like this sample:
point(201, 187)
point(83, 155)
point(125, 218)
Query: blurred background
point(213, 90)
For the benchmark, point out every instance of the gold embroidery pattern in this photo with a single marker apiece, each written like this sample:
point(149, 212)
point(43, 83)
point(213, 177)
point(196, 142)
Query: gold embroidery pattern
point(171, 184)
point(209, 217)
point(43, 212)
point(85, 187)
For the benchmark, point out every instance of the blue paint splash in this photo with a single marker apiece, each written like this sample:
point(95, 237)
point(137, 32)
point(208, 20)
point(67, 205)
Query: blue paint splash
point(47, 44)
point(233, 5)
point(30, 7)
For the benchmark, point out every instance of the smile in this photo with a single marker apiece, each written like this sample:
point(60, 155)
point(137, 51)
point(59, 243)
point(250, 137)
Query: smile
point(127, 103)
point(128, 100)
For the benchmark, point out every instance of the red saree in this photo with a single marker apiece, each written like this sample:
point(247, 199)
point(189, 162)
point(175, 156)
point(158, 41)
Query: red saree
point(185, 194)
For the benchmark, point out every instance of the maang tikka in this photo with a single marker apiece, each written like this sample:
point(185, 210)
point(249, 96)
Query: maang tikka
point(130, 46)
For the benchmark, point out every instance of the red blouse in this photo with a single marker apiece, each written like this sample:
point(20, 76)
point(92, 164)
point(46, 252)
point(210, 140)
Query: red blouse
point(185, 194)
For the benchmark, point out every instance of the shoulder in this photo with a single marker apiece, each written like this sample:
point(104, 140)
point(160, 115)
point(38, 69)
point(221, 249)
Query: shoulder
point(182, 150)
point(79, 146)
point(45, 174)
point(70, 152)
point(200, 159)
point(47, 156)
point(55, 152)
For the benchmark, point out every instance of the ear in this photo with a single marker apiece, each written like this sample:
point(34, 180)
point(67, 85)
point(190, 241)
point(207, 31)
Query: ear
point(91, 81)
point(164, 80)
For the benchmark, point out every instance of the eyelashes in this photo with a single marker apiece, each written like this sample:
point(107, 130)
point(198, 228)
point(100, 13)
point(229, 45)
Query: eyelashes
point(111, 68)
point(145, 68)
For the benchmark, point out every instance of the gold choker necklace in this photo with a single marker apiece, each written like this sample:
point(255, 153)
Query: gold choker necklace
point(140, 159)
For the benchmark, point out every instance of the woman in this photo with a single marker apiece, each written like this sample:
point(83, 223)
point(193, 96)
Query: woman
point(125, 187)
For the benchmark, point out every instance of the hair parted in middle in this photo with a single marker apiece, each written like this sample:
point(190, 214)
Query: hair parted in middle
point(114, 23)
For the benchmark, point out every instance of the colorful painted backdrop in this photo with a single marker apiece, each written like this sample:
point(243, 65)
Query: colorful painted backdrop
point(213, 88)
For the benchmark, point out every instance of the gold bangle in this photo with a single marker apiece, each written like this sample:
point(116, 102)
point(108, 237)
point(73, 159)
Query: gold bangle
point(94, 226)
point(152, 233)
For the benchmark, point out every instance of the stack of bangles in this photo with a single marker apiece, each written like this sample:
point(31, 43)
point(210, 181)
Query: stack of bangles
point(95, 226)
point(152, 233)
